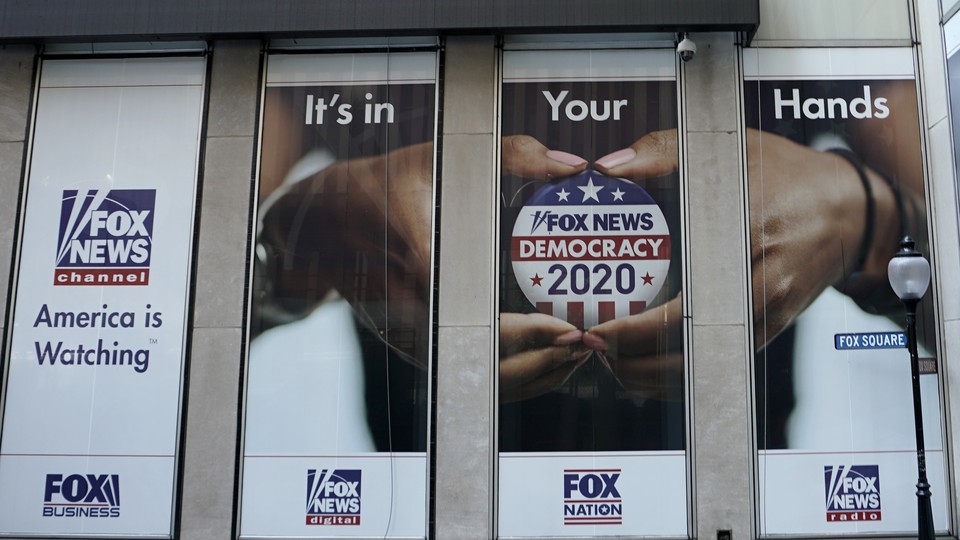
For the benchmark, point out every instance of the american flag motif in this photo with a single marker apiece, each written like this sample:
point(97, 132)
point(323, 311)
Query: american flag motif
point(590, 248)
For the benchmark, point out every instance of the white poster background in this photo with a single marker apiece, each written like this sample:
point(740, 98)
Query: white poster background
point(531, 502)
point(103, 124)
point(852, 407)
point(392, 497)
point(653, 485)
point(305, 389)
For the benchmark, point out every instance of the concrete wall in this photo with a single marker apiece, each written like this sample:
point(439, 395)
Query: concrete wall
point(215, 357)
point(465, 370)
point(720, 358)
point(16, 84)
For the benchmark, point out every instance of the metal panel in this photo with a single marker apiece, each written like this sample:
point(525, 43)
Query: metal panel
point(145, 19)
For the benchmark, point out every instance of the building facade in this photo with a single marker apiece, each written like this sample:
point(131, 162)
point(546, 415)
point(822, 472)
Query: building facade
point(475, 270)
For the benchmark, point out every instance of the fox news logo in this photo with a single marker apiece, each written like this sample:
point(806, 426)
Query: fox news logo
point(853, 492)
point(333, 497)
point(82, 495)
point(106, 237)
point(590, 497)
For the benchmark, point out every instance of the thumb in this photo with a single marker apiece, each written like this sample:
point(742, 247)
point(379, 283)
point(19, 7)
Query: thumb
point(525, 156)
point(653, 155)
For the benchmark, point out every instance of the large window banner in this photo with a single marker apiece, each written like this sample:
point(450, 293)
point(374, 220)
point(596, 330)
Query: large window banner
point(835, 180)
point(336, 414)
point(591, 355)
point(96, 350)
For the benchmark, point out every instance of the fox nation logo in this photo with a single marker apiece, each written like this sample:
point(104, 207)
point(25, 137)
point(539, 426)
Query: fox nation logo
point(853, 492)
point(82, 495)
point(591, 497)
point(106, 237)
point(333, 497)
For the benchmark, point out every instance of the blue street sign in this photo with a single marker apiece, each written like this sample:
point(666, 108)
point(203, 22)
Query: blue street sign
point(870, 340)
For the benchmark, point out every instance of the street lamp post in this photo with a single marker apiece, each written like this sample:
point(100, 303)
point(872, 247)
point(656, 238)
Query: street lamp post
point(909, 274)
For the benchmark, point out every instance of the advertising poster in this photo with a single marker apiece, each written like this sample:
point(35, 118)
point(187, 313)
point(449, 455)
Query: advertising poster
point(96, 345)
point(591, 356)
point(336, 414)
point(835, 181)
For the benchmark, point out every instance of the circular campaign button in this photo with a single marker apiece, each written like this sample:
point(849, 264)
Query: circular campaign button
point(590, 248)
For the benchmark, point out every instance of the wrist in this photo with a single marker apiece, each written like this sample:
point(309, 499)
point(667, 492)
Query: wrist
point(867, 285)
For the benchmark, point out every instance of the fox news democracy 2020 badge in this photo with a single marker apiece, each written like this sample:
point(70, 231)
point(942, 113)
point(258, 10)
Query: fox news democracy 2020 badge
point(590, 248)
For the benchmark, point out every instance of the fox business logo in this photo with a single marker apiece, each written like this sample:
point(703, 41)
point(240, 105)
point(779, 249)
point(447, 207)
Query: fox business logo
point(333, 497)
point(853, 492)
point(106, 237)
point(591, 497)
point(82, 495)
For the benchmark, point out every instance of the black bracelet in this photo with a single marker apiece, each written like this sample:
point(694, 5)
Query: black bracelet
point(898, 198)
point(871, 216)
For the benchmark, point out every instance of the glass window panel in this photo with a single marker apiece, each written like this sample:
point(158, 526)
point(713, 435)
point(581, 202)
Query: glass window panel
point(591, 354)
point(338, 382)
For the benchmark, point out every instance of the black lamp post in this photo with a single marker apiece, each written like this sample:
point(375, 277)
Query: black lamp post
point(909, 275)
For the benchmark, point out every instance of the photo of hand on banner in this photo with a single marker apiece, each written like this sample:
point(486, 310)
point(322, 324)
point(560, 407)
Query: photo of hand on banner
point(375, 252)
point(830, 199)
point(352, 197)
point(635, 348)
point(819, 189)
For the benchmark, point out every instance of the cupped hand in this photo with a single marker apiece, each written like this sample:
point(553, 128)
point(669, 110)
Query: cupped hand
point(644, 351)
point(363, 227)
point(538, 353)
point(808, 220)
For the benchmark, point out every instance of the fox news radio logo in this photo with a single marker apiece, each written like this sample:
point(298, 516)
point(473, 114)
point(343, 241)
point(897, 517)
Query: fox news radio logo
point(333, 497)
point(590, 497)
point(853, 492)
point(106, 237)
point(82, 495)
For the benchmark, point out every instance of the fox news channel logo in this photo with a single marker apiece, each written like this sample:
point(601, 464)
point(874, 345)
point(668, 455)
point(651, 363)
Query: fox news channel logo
point(590, 248)
point(82, 495)
point(853, 492)
point(333, 497)
point(106, 237)
point(591, 497)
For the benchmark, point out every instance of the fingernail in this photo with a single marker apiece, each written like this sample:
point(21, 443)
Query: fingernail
point(595, 342)
point(565, 158)
point(569, 338)
point(617, 158)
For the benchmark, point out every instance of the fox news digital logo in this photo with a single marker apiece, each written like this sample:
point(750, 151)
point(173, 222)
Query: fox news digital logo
point(590, 497)
point(106, 237)
point(82, 495)
point(333, 497)
point(853, 492)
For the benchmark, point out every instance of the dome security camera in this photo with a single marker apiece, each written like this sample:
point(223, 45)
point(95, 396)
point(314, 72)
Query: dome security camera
point(686, 49)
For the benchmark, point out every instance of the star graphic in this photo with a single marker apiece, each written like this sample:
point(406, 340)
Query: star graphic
point(590, 191)
point(563, 194)
point(536, 279)
point(618, 195)
point(647, 279)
